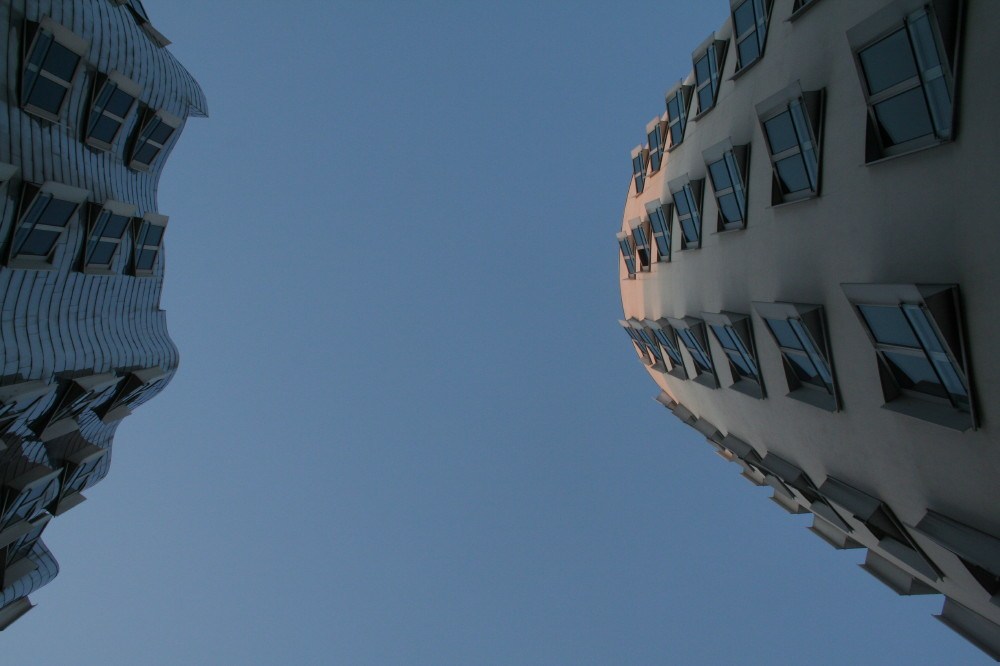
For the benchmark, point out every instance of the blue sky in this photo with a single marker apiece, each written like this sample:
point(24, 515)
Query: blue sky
point(407, 428)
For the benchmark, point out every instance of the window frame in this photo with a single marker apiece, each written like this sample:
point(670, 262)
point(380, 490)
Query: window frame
point(31, 193)
point(150, 120)
point(941, 307)
point(740, 325)
point(658, 153)
point(638, 184)
point(734, 157)
point(691, 329)
point(718, 49)
point(661, 213)
point(138, 224)
point(945, 18)
point(682, 93)
point(65, 38)
point(666, 338)
point(627, 251)
point(766, 7)
point(641, 234)
point(94, 214)
point(694, 194)
point(812, 323)
point(117, 81)
point(811, 104)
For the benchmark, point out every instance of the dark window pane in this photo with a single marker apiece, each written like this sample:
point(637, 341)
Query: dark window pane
point(730, 208)
point(146, 153)
point(780, 133)
point(915, 373)
point(41, 46)
point(888, 62)
point(888, 325)
point(705, 96)
point(57, 213)
point(804, 369)
point(101, 253)
point(720, 175)
point(681, 202)
point(702, 70)
point(783, 332)
point(690, 230)
point(743, 368)
point(722, 335)
point(119, 103)
point(102, 98)
point(744, 17)
point(924, 42)
point(115, 226)
point(145, 260)
point(673, 108)
point(61, 61)
point(47, 95)
point(940, 102)
point(105, 129)
point(154, 233)
point(39, 242)
point(637, 164)
point(654, 161)
point(792, 174)
point(925, 331)
point(748, 51)
point(904, 117)
point(161, 133)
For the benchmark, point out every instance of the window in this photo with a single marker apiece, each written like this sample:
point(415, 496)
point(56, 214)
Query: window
point(734, 333)
point(678, 100)
point(130, 392)
point(727, 167)
point(800, 7)
point(628, 252)
point(639, 155)
point(917, 335)
point(691, 333)
point(791, 122)
point(113, 100)
point(660, 217)
point(649, 354)
point(45, 213)
point(656, 138)
point(797, 486)
point(907, 75)
point(979, 552)
point(665, 335)
point(77, 395)
point(81, 469)
point(148, 242)
point(799, 331)
point(153, 137)
point(105, 232)
point(16, 563)
point(687, 202)
point(750, 19)
point(709, 59)
point(640, 241)
point(28, 493)
point(51, 63)
point(17, 399)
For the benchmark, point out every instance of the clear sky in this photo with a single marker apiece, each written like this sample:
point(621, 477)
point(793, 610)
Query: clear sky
point(407, 428)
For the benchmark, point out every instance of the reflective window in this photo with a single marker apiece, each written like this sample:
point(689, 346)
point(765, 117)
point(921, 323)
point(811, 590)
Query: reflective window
point(656, 141)
point(691, 334)
point(908, 84)
point(105, 236)
point(50, 66)
point(43, 221)
point(750, 30)
point(687, 203)
point(792, 140)
point(730, 194)
point(707, 68)
point(742, 361)
point(639, 172)
point(677, 109)
point(628, 253)
point(148, 241)
point(107, 115)
point(801, 353)
point(152, 139)
point(666, 337)
point(659, 222)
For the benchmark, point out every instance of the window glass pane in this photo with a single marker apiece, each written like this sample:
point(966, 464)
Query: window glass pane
point(741, 365)
point(792, 174)
point(119, 103)
point(673, 108)
point(104, 129)
point(722, 335)
point(41, 46)
point(804, 369)
point(701, 69)
point(681, 202)
point(161, 133)
point(888, 62)
point(61, 61)
point(745, 353)
point(783, 333)
point(924, 42)
point(748, 51)
point(637, 164)
point(57, 213)
point(690, 230)
point(928, 337)
point(888, 325)
point(904, 117)
point(100, 252)
point(914, 372)
point(145, 260)
point(940, 105)
point(154, 233)
point(720, 175)
point(780, 133)
point(744, 17)
point(953, 384)
point(115, 226)
point(146, 154)
point(47, 95)
point(38, 242)
point(814, 355)
point(730, 208)
point(654, 161)
point(705, 98)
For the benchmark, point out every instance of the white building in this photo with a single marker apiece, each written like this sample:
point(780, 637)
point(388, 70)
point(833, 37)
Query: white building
point(808, 272)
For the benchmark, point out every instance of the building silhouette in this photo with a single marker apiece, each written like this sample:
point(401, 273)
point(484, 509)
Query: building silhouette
point(808, 272)
point(91, 104)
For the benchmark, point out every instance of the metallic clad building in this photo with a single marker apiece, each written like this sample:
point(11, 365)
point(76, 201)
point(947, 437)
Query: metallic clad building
point(808, 272)
point(90, 107)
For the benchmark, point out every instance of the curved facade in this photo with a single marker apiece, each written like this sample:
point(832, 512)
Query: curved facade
point(808, 272)
point(91, 104)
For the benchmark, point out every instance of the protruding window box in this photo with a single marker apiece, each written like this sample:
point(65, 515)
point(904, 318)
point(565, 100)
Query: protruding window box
point(78, 394)
point(44, 216)
point(156, 131)
point(79, 472)
point(660, 220)
point(52, 60)
point(678, 101)
point(973, 627)
point(750, 23)
point(640, 157)
point(627, 249)
point(133, 385)
point(15, 399)
point(106, 228)
point(728, 169)
point(834, 536)
point(792, 124)
point(113, 100)
point(734, 333)
point(26, 494)
point(691, 333)
point(979, 552)
point(688, 197)
point(16, 562)
point(893, 577)
point(797, 485)
point(148, 233)
point(641, 233)
point(709, 59)
point(656, 139)
point(13, 611)
point(666, 336)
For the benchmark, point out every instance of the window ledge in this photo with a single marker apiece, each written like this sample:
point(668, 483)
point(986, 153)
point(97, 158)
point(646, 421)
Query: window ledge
point(932, 412)
point(816, 398)
point(707, 380)
point(909, 151)
point(747, 387)
point(785, 204)
point(800, 11)
point(702, 114)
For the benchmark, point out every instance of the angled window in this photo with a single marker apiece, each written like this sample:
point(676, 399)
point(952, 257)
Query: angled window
point(734, 333)
point(632, 329)
point(917, 334)
point(678, 100)
point(654, 355)
point(627, 251)
point(153, 137)
point(800, 4)
point(750, 19)
point(148, 243)
point(640, 240)
point(639, 155)
point(691, 333)
point(979, 552)
point(709, 59)
point(130, 392)
point(660, 217)
point(16, 563)
point(45, 213)
point(26, 495)
point(799, 331)
point(687, 196)
point(81, 469)
point(906, 63)
point(796, 485)
point(656, 136)
point(105, 232)
point(727, 167)
point(114, 99)
point(792, 122)
point(18, 398)
point(52, 61)
point(76, 395)
point(665, 335)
